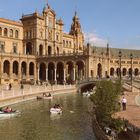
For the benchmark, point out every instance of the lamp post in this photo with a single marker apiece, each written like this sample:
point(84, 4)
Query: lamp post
point(120, 57)
point(22, 71)
point(131, 57)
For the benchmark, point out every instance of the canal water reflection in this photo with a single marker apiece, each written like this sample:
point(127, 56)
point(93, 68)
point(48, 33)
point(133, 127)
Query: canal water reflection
point(36, 123)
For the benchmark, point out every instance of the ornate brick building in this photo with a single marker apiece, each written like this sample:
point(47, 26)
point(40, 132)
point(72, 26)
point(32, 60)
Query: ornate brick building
point(37, 49)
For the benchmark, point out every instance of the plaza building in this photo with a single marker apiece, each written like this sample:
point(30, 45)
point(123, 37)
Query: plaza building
point(37, 49)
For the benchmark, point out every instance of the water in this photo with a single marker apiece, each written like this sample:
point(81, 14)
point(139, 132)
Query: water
point(36, 123)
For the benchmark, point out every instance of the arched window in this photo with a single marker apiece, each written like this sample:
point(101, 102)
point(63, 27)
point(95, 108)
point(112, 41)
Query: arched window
point(49, 50)
point(16, 34)
point(11, 33)
point(14, 47)
point(2, 46)
point(0, 31)
point(29, 48)
point(63, 43)
point(40, 49)
point(57, 51)
point(5, 32)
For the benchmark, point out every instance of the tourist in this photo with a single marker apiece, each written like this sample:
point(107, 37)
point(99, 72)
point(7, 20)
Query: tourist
point(114, 135)
point(10, 86)
point(49, 95)
point(7, 109)
point(21, 87)
point(44, 95)
point(124, 101)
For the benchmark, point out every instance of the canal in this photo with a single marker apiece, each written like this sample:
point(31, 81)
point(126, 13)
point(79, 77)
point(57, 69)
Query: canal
point(36, 123)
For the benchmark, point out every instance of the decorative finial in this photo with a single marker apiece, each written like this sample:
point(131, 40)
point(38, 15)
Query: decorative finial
point(36, 10)
point(47, 3)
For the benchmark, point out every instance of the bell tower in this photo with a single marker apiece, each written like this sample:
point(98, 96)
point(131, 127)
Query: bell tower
point(77, 34)
point(75, 26)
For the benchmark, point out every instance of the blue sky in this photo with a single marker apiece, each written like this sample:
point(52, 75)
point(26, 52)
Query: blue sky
point(115, 21)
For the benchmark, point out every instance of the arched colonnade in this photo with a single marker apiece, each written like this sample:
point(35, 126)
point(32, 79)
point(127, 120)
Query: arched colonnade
point(61, 72)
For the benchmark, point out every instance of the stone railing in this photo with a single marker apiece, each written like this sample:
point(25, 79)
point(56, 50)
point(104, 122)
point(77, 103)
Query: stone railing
point(5, 93)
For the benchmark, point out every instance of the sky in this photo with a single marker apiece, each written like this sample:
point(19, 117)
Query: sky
point(102, 21)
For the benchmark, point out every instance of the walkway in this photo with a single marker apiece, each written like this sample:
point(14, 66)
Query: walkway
point(132, 113)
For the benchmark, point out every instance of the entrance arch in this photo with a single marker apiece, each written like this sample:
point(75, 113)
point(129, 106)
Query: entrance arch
point(15, 67)
point(136, 72)
point(29, 49)
point(51, 72)
point(60, 73)
point(111, 71)
point(99, 71)
point(69, 72)
point(124, 72)
point(42, 72)
point(80, 70)
point(49, 50)
point(6, 68)
point(40, 50)
point(57, 51)
point(23, 68)
point(31, 68)
point(118, 71)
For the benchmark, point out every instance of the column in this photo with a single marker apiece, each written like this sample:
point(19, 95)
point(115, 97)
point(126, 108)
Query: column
point(74, 74)
point(35, 73)
point(27, 75)
point(19, 72)
point(46, 74)
point(38, 74)
point(64, 75)
point(1, 70)
point(55, 75)
point(84, 73)
point(11, 70)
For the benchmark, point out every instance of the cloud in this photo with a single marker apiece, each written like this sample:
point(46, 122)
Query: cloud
point(94, 39)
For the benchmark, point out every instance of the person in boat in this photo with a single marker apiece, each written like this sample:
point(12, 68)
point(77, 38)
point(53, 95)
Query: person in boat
point(44, 95)
point(57, 106)
point(49, 95)
point(7, 109)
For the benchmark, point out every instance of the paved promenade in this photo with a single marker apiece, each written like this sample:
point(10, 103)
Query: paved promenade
point(132, 113)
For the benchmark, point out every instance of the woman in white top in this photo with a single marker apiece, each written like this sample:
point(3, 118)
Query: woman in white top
point(124, 101)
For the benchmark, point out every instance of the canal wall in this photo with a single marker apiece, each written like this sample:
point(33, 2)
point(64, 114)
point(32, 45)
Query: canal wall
point(28, 93)
point(132, 131)
point(99, 133)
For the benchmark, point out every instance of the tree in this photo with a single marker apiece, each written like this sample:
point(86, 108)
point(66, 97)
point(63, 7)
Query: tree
point(106, 100)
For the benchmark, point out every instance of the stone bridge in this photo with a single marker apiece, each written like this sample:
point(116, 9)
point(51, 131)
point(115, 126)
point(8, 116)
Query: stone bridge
point(85, 85)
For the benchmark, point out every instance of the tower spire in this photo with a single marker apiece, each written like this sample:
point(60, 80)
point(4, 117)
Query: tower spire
point(47, 3)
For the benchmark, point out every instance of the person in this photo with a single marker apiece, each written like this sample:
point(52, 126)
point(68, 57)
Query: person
point(7, 109)
point(44, 95)
point(49, 95)
point(124, 101)
point(10, 86)
point(114, 135)
point(21, 87)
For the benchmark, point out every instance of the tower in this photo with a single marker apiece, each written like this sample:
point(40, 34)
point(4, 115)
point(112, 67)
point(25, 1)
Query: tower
point(76, 32)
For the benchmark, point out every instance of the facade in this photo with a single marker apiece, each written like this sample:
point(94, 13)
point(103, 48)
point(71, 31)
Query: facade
point(37, 49)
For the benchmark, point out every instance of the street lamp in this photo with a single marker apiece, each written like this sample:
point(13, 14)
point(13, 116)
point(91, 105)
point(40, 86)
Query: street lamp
point(22, 71)
point(131, 57)
point(120, 57)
